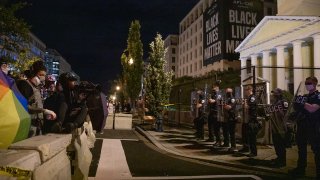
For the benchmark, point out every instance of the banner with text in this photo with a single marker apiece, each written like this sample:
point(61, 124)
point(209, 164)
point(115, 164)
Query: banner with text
point(225, 24)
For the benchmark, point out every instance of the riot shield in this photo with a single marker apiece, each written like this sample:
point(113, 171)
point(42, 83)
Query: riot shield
point(220, 103)
point(194, 101)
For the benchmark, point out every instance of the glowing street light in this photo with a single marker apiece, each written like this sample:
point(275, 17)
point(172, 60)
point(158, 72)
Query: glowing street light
point(114, 108)
point(130, 61)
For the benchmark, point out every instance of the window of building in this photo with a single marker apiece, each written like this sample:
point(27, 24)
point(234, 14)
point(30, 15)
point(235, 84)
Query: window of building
point(195, 53)
point(200, 64)
point(195, 66)
point(190, 68)
point(190, 55)
point(173, 68)
point(187, 70)
point(173, 60)
point(190, 43)
point(200, 50)
point(196, 40)
point(187, 57)
point(184, 59)
point(200, 37)
point(173, 50)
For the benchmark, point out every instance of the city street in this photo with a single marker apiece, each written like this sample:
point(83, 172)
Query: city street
point(126, 153)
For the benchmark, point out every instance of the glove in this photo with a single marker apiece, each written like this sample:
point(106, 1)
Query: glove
point(50, 115)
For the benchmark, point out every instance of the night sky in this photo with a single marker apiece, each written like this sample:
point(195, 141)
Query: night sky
point(92, 34)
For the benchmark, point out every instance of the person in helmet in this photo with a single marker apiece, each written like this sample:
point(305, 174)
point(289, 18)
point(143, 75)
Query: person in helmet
point(69, 104)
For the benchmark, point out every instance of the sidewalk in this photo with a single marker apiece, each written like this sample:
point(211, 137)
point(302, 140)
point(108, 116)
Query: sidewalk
point(181, 141)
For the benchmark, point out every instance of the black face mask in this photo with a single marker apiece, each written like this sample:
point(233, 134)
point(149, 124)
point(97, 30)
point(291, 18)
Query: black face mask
point(229, 94)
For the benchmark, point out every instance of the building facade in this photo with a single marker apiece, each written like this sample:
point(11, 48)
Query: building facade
point(192, 39)
point(283, 49)
point(55, 63)
point(171, 57)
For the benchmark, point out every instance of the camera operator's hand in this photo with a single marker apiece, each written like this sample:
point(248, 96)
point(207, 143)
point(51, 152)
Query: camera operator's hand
point(50, 115)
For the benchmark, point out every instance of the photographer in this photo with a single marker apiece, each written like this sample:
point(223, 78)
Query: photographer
point(69, 104)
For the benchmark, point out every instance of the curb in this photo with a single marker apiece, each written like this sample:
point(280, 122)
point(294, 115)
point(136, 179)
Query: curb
point(257, 170)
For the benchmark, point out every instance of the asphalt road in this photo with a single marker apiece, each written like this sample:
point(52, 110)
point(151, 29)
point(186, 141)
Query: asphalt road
point(145, 161)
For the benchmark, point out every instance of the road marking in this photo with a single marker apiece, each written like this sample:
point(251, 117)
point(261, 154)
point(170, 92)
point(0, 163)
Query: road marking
point(201, 177)
point(112, 163)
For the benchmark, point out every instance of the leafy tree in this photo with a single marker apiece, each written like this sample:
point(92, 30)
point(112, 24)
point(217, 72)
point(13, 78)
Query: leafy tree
point(13, 31)
point(132, 62)
point(158, 82)
point(23, 62)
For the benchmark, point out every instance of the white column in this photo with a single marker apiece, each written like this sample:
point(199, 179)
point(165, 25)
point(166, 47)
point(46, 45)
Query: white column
point(265, 65)
point(254, 59)
point(297, 62)
point(281, 79)
point(316, 55)
point(243, 61)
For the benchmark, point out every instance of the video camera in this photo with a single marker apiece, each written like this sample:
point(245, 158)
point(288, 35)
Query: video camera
point(86, 87)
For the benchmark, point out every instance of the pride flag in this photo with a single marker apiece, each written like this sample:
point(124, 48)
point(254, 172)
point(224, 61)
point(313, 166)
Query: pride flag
point(14, 117)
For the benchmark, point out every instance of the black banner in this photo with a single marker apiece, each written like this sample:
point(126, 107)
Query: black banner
point(225, 24)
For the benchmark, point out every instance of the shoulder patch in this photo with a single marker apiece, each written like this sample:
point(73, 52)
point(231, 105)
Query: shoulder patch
point(233, 100)
point(252, 99)
point(219, 97)
point(285, 104)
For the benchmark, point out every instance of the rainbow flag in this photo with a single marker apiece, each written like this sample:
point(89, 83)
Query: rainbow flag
point(14, 117)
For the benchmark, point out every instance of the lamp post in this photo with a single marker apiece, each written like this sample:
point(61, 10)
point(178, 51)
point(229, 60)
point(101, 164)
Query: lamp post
point(114, 108)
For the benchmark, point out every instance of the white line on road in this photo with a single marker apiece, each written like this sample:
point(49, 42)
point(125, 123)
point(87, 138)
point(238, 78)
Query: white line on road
point(112, 163)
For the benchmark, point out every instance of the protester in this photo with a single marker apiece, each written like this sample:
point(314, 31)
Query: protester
point(4, 65)
point(229, 131)
point(30, 89)
point(278, 127)
point(308, 128)
point(254, 126)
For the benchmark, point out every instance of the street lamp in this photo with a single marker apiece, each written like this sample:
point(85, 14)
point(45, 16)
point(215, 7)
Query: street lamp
point(114, 108)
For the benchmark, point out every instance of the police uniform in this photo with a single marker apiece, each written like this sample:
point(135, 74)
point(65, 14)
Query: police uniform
point(279, 130)
point(308, 130)
point(253, 125)
point(230, 123)
point(213, 118)
point(200, 120)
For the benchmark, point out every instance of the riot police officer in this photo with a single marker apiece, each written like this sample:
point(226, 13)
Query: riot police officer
point(308, 127)
point(229, 127)
point(253, 124)
point(213, 115)
point(277, 113)
point(200, 120)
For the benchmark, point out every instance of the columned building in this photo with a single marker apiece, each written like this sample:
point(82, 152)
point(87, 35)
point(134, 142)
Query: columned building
point(284, 50)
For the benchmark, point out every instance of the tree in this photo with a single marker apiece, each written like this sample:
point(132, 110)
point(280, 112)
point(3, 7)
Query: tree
point(13, 31)
point(23, 62)
point(158, 82)
point(132, 62)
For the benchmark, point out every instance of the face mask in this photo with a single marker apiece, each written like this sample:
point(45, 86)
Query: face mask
point(229, 94)
point(36, 81)
point(42, 78)
point(309, 87)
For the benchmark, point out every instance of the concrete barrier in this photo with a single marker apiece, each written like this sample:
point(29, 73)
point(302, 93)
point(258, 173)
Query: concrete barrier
point(37, 158)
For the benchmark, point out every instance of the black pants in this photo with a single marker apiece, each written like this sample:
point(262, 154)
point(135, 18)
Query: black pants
point(308, 132)
point(279, 143)
point(212, 118)
point(252, 137)
point(216, 127)
point(245, 136)
point(199, 127)
point(229, 133)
